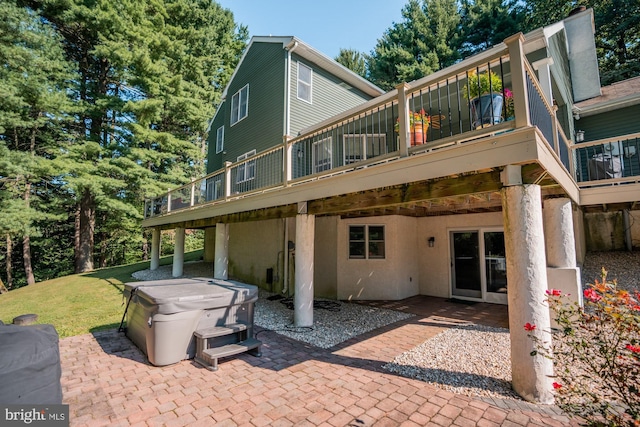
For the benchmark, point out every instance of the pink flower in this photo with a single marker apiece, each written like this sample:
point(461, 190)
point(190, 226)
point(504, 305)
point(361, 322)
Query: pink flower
point(529, 327)
point(557, 386)
point(592, 295)
point(633, 348)
point(508, 93)
point(553, 292)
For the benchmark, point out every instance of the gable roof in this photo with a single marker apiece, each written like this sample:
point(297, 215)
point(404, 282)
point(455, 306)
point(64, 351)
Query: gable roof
point(309, 53)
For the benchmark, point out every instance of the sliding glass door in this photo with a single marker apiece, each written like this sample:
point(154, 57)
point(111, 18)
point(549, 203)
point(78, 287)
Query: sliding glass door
point(478, 265)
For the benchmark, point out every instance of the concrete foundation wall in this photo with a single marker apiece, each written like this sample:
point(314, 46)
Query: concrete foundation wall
point(604, 231)
point(435, 262)
point(393, 278)
point(253, 248)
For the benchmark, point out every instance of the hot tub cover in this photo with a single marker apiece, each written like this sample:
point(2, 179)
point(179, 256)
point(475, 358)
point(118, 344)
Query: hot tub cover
point(179, 295)
point(29, 365)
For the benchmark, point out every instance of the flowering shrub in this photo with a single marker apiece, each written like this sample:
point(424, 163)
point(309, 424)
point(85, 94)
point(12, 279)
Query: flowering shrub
point(596, 354)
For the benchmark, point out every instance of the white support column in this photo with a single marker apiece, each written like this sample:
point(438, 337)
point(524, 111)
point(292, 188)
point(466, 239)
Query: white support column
point(155, 249)
point(562, 273)
point(303, 298)
point(527, 278)
point(178, 253)
point(221, 262)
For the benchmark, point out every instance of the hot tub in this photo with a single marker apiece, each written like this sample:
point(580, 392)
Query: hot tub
point(162, 315)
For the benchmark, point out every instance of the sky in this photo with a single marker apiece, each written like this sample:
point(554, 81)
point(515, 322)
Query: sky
point(326, 25)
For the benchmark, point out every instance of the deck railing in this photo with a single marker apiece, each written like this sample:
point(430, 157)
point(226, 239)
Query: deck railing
point(606, 161)
point(422, 116)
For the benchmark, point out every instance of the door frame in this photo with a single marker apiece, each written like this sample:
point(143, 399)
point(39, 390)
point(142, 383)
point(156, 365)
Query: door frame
point(490, 297)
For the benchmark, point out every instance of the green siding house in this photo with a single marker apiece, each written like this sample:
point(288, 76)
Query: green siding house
point(280, 86)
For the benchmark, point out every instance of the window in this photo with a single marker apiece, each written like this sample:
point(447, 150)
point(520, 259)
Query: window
point(214, 187)
point(366, 242)
point(246, 170)
point(305, 78)
point(240, 105)
point(360, 147)
point(220, 139)
point(322, 155)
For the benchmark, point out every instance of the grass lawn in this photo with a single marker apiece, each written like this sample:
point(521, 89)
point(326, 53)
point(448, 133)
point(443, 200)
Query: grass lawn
point(80, 303)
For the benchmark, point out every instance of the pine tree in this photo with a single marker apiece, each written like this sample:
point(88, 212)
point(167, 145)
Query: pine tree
point(353, 60)
point(34, 78)
point(486, 23)
point(425, 41)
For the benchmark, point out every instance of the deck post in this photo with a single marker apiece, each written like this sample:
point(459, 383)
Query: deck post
point(221, 262)
point(527, 278)
point(304, 253)
point(562, 273)
point(178, 253)
point(403, 120)
point(518, 80)
point(155, 249)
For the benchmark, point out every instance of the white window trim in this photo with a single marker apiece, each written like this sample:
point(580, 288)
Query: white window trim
point(309, 84)
point(363, 140)
point(243, 177)
point(366, 241)
point(220, 139)
point(237, 97)
point(314, 160)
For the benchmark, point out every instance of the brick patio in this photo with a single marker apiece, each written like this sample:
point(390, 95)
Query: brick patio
point(107, 381)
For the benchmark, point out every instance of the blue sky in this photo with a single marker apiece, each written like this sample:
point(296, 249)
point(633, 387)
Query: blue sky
point(326, 25)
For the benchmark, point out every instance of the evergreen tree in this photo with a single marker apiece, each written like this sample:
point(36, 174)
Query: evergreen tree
point(425, 41)
point(486, 23)
point(149, 73)
point(353, 60)
point(33, 79)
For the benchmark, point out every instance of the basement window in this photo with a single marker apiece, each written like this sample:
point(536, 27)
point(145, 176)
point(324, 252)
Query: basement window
point(366, 242)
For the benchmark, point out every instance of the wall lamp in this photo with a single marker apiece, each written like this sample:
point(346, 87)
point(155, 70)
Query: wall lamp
point(579, 136)
point(432, 241)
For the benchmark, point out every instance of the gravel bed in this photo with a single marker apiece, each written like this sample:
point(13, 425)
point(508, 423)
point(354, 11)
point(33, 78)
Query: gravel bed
point(333, 321)
point(473, 360)
point(622, 266)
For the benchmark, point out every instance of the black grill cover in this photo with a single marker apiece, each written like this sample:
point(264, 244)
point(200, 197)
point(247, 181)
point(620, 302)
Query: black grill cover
point(29, 365)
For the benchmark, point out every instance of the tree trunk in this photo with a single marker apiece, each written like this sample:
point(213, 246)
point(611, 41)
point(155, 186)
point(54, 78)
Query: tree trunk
point(76, 238)
point(9, 264)
point(26, 257)
point(3, 290)
point(84, 256)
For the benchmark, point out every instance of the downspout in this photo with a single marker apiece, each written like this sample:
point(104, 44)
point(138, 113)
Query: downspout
point(287, 126)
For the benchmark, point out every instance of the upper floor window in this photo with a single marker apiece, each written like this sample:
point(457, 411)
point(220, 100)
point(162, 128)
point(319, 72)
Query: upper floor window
point(305, 78)
point(246, 170)
point(220, 139)
point(240, 105)
point(321, 155)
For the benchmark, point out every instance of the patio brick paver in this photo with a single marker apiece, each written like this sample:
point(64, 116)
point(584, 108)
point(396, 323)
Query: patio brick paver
point(107, 381)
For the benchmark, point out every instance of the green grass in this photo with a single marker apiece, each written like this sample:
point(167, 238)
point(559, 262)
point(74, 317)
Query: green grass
point(80, 303)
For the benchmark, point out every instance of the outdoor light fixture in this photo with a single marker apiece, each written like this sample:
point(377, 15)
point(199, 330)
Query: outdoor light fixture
point(579, 136)
point(432, 241)
point(300, 153)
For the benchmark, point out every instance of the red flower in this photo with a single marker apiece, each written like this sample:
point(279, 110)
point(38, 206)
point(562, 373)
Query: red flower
point(592, 295)
point(554, 292)
point(557, 386)
point(633, 348)
point(529, 327)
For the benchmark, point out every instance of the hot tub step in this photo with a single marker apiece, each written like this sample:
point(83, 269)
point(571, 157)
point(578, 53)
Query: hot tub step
point(218, 331)
point(210, 356)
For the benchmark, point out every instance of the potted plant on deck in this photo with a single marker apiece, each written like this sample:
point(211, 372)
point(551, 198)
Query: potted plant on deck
point(484, 91)
point(418, 126)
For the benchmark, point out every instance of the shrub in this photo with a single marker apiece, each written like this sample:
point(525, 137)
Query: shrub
point(596, 354)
